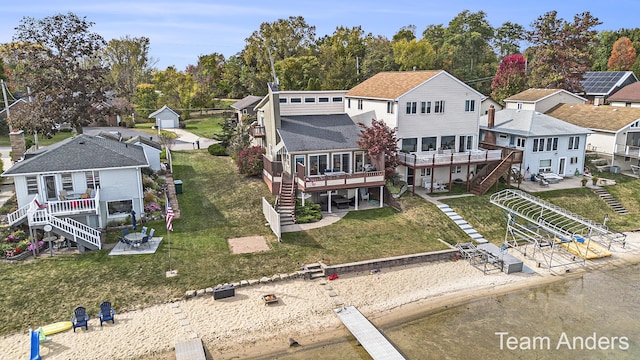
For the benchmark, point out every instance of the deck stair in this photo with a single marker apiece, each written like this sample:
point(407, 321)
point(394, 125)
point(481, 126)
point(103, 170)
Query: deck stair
point(468, 229)
point(483, 181)
point(287, 202)
point(610, 200)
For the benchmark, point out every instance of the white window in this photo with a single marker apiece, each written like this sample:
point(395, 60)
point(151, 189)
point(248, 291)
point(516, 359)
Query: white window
point(318, 164)
point(340, 162)
point(32, 185)
point(296, 100)
point(573, 160)
point(410, 144)
point(93, 179)
point(429, 143)
point(519, 106)
point(67, 182)
point(411, 107)
point(574, 142)
point(423, 107)
point(309, 100)
point(438, 107)
point(120, 207)
point(544, 166)
point(428, 107)
point(520, 142)
point(456, 169)
point(348, 103)
point(470, 105)
point(538, 145)
point(389, 107)
point(360, 101)
point(336, 99)
point(283, 100)
point(323, 99)
point(425, 172)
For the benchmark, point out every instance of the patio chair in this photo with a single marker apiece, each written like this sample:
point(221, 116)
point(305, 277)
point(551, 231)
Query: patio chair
point(151, 232)
point(125, 232)
point(62, 195)
point(106, 313)
point(364, 194)
point(145, 241)
point(144, 230)
point(125, 242)
point(40, 206)
point(80, 318)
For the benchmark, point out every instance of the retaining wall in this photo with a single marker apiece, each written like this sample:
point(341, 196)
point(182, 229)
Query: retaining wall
point(391, 262)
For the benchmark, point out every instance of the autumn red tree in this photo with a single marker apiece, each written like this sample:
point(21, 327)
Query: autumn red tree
point(380, 142)
point(623, 55)
point(250, 161)
point(510, 79)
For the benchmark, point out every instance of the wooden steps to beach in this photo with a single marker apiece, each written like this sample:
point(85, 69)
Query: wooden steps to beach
point(314, 271)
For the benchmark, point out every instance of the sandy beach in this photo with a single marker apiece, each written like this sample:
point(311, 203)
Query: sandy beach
point(243, 326)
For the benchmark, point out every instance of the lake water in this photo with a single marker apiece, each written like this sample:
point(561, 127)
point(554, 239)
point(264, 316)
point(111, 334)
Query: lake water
point(593, 316)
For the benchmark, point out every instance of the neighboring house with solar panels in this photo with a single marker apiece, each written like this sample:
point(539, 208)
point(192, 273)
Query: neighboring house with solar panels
point(628, 96)
point(599, 85)
point(312, 151)
point(616, 130)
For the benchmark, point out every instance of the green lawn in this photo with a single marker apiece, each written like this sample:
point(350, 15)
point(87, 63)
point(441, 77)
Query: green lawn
point(43, 141)
point(218, 204)
point(205, 126)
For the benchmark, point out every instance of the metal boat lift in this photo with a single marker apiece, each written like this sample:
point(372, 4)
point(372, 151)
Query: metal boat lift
point(532, 221)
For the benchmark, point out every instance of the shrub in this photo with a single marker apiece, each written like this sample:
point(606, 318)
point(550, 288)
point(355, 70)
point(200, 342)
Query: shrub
point(308, 213)
point(217, 150)
point(163, 154)
point(148, 182)
point(250, 161)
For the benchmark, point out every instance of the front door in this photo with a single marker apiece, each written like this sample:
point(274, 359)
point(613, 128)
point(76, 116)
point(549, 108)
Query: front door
point(410, 173)
point(561, 166)
point(50, 184)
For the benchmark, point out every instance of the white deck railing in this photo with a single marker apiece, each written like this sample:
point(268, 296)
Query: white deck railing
point(447, 157)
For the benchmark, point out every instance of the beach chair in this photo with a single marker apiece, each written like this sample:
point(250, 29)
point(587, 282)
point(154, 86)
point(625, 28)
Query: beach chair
point(151, 232)
point(144, 230)
point(106, 313)
point(40, 206)
point(364, 194)
point(80, 318)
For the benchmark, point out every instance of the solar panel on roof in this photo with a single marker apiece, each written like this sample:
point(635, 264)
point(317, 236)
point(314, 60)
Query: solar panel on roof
point(601, 82)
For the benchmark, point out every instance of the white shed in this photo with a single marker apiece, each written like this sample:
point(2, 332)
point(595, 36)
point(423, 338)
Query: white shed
point(166, 118)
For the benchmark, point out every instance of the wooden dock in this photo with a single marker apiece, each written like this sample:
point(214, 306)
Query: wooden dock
point(367, 335)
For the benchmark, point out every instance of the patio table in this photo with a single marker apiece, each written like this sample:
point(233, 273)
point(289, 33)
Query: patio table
point(135, 238)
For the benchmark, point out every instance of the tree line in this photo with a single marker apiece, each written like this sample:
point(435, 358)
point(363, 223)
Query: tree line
point(72, 74)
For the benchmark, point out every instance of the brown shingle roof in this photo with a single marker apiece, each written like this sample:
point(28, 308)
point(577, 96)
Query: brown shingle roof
point(532, 94)
point(628, 93)
point(391, 85)
point(604, 117)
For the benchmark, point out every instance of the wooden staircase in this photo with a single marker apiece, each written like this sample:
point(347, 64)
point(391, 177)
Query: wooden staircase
point(610, 200)
point(490, 174)
point(314, 271)
point(286, 205)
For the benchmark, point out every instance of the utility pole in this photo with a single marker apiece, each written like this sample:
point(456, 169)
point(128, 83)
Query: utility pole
point(6, 102)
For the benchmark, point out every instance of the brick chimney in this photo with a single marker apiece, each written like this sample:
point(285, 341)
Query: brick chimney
point(490, 136)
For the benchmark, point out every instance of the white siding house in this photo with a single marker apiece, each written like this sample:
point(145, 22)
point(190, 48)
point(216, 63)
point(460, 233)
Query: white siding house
point(541, 100)
point(434, 113)
point(77, 186)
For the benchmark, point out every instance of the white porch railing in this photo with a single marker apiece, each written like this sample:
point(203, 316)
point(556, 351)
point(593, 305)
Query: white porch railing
point(59, 208)
point(627, 150)
point(76, 229)
point(447, 157)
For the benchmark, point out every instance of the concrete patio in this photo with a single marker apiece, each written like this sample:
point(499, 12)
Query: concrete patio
point(123, 249)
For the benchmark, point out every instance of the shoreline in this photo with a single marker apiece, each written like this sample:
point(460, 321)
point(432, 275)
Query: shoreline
point(244, 327)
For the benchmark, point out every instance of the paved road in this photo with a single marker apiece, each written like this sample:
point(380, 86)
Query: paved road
point(185, 140)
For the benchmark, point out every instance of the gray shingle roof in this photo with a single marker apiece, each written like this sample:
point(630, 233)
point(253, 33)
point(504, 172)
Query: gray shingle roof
point(318, 132)
point(248, 102)
point(528, 123)
point(79, 153)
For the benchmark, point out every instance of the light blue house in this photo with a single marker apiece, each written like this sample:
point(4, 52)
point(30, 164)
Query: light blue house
point(166, 118)
point(549, 145)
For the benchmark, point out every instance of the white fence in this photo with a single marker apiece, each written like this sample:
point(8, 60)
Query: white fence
point(273, 217)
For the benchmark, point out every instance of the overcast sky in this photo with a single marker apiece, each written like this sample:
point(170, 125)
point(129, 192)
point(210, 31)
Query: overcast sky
point(182, 31)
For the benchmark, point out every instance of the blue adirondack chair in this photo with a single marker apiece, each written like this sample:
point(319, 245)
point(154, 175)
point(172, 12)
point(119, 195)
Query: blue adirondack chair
point(80, 318)
point(106, 313)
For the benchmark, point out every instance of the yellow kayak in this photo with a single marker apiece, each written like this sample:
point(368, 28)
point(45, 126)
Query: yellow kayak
point(593, 251)
point(56, 327)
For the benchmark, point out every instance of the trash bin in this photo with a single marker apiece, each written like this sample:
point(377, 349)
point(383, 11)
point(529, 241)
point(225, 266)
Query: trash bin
point(223, 292)
point(178, 185)
point(615, 169)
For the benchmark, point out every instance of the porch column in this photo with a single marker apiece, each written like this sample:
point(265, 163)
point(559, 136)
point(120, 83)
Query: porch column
point(329, 201)
point(357, 196)
point(381, 195)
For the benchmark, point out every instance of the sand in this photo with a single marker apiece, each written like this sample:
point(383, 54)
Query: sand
point(243, 326)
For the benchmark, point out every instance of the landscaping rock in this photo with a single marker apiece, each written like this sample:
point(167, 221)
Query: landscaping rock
point(190, 293)
point(265, 280)
point(200, 292)
point(284, 276)
point(253, 282)
point(244, 283)
point(275, 278)
point(208, 290)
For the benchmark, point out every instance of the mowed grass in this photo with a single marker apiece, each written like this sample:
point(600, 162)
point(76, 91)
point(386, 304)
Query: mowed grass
point(217, 204)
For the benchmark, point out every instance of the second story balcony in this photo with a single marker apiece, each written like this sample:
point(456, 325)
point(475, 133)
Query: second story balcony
point(257, 131)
